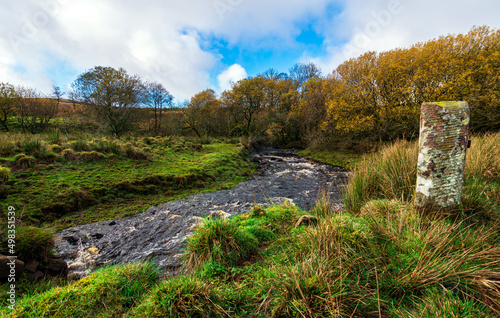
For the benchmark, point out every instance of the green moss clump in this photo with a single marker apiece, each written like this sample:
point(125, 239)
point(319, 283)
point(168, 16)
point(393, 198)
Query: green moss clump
point(4, 174)
point(23, 161)
point(31, 243)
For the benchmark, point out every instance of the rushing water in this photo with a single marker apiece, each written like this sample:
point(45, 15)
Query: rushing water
point(159, 232)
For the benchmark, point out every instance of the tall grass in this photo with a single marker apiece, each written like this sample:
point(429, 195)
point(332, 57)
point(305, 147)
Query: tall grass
point(483, 159)
point(391, 173)
point(388, 174)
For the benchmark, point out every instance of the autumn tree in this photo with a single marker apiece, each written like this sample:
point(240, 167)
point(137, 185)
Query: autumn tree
point(245, 100)
point(378, 96)
point(157, 97)
point(281, 95)
point(112, 96)
point(8, 99)
point(310, 110)
point(200, 114)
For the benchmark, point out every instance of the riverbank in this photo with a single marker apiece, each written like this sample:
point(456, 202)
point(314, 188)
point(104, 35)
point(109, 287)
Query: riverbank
point(159, 232)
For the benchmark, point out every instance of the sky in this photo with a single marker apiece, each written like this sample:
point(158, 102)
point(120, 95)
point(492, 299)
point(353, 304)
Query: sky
point(192, 45)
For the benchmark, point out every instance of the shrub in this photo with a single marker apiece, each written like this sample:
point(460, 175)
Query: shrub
point(483, 158)
point(32, 147)
point(69, 154)
point(50, 157)
point(130, 151)
point(54, 137)
point(148, 140)
point(91, 155)
point(55, 148)
point(4, 174)
point(389, 174)
point(221, 241)
point(8, 148)
point(23, 161)
point(31, 243)
point(79, 145)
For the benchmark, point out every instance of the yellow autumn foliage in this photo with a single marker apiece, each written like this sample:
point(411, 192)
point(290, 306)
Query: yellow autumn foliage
point(377, 96)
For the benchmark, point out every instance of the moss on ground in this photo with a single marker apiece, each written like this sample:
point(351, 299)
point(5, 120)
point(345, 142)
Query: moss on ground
point(109, 179)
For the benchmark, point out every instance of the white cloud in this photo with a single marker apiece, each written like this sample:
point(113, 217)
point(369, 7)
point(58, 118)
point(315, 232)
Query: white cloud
point(45, 42)
point(158, 40)
point(231, 75)
point(383, 25)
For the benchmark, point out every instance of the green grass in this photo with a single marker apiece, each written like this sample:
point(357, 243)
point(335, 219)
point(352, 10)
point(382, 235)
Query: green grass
point(345, 159)
point(388, 261)
point(108, 292)
point(101, 178)
point(30, 243)
point(380, 258)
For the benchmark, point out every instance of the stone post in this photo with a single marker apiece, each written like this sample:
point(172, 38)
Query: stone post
point(444, 133)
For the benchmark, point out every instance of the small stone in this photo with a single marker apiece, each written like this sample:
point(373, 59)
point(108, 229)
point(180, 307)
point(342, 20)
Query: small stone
point(220, 214)
point(71, 239)
point(175, 216)
point(57, 267)
point(97, 236)
point(36, 276)
point(306, 220)
point(31, 265)
point(112, 223)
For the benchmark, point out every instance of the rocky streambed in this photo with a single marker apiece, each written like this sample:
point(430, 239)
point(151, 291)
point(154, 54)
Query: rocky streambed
point(160, 231)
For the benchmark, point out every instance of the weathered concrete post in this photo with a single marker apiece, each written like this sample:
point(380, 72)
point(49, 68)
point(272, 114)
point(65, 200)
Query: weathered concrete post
point(444, 133)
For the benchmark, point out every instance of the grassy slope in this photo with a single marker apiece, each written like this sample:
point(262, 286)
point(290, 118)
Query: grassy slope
point(119, 183)
point(380, 259)
point(335, 158)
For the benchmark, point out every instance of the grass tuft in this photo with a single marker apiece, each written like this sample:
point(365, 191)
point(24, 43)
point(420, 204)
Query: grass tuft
point(219, 240)
point(31, 243)
point(23, 161)
point(4, 174)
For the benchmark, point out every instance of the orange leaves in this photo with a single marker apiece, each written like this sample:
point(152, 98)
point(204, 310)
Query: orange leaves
point(379, 95)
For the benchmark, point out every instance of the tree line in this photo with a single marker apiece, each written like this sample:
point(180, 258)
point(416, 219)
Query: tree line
point(375, 97)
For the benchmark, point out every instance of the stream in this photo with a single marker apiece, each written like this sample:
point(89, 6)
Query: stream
point(159, 232)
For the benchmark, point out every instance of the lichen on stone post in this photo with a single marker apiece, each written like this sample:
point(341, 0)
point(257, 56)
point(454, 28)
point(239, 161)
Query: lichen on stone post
point(444, 133)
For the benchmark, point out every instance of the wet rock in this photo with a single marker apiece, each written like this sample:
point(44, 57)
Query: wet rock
point(71, 239)
point(97, 236)
point(10, 266)
point(56, 267)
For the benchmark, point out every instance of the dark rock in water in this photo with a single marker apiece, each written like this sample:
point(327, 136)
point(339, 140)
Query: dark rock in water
point(306, 220)
point(71, 240)
point(159, 233)
point(97, 236)
point(7, 265)
point(56, 267)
